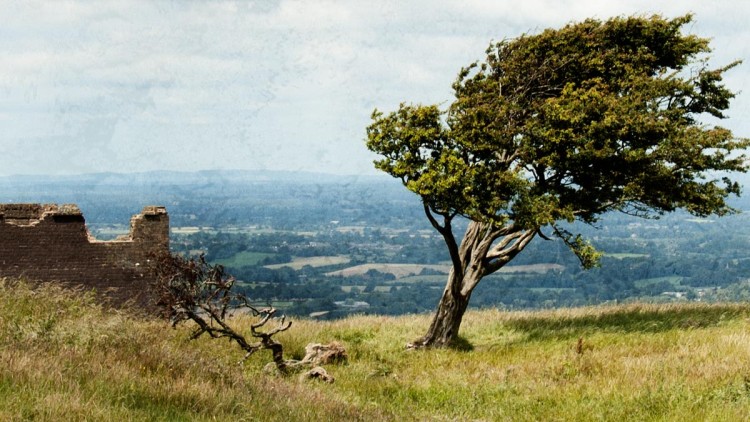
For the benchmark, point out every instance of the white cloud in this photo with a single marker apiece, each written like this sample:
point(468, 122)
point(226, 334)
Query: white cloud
point(131, 85)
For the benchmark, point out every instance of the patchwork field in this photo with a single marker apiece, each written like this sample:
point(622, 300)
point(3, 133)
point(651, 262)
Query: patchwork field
point(243, 258)
point(409, 270)
point(673, 280)
point(313, 261)
point(398, 270)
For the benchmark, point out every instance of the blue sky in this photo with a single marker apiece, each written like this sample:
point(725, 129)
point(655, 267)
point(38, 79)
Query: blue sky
point(130, 86)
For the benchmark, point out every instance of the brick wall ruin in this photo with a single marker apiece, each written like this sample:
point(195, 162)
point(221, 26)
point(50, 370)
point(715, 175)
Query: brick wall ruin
point(51, 243)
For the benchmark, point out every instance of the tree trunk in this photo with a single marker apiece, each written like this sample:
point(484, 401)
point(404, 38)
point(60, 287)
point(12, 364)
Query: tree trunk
point(443, 330)
point(478, 255)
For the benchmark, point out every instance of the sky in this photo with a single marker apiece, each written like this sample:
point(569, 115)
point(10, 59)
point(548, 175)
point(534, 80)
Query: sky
point(132, 86)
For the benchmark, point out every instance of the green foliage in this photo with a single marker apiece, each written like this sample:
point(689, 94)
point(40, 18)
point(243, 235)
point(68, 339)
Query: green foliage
point(571, 123)
point(584, 250)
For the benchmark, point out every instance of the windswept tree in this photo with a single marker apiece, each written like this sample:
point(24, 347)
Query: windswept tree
point(558, 127)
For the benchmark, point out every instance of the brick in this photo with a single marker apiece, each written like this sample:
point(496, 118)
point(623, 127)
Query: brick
point(47, 242)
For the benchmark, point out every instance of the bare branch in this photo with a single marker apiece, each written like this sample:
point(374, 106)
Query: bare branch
point(516, 242)
point(542, 235)
point(446, 231)
point(501, 248)
point(192, 289)
point(432, 219)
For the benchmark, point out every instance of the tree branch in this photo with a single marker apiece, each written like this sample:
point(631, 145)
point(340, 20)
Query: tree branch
point(587, 254)
point(446, 231)
point(507, 249)
point(499, 249)
point(433, 221)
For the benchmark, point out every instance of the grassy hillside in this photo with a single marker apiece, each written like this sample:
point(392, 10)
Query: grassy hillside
point(62, 357)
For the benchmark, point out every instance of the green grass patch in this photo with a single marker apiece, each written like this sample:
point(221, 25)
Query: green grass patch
point(673, 280)
point(314, 261)
point(244, 258)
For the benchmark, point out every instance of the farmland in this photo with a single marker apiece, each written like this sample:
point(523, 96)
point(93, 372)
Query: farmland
point(243, 258)
point(397, 270)
point(406, 270)
point(313, 261)
point(367, 240)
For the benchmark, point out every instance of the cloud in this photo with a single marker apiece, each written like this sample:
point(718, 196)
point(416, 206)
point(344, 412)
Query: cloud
point(132, 86)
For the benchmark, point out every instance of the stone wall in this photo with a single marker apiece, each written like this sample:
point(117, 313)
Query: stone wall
point(47, 242)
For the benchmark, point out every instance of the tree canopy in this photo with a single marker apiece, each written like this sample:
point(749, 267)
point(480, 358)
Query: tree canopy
point(566, 125)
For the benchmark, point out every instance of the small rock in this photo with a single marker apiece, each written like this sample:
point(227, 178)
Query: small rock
point(319, 354)
point(317, 373)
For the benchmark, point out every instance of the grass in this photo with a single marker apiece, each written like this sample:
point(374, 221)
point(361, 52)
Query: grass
point(314, 261)
point(243, 258)
point(673, 280)
point(62, 357)
point(398, 270)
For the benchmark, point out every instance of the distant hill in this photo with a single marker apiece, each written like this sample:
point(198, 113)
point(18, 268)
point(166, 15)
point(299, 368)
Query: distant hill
point(211, 197)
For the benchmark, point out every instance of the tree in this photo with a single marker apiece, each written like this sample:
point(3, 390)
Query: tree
point(558, 127)
point(191, 289)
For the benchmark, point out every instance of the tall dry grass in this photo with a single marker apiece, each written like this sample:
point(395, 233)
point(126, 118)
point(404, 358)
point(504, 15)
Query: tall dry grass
point(63, 357)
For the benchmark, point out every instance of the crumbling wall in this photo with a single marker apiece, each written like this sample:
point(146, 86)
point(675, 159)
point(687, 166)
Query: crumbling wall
point(47, 242)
